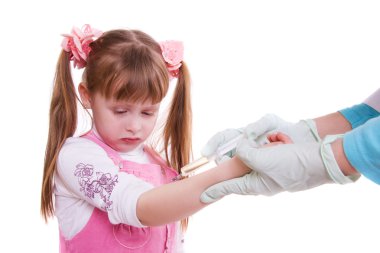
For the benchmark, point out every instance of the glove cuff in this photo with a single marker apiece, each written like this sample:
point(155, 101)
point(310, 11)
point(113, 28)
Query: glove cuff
point(313, 128)
point(330, 163)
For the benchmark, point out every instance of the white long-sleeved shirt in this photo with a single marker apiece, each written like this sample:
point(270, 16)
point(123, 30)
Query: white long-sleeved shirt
point(82, 160)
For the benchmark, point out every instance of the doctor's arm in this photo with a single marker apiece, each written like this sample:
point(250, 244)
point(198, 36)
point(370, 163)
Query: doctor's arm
point(349, 118)
point(309, 130)
point(300, 166)
point(341, 159)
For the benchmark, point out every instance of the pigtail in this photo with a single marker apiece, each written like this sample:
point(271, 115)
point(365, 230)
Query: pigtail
point(177, 131)
point(62, 124)
point(178, 128)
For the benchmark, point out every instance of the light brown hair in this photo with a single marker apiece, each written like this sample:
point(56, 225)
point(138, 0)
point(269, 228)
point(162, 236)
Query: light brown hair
point(122, 64)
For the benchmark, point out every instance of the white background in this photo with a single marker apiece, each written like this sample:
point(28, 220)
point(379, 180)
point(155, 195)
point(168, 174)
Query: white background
point(298, 59)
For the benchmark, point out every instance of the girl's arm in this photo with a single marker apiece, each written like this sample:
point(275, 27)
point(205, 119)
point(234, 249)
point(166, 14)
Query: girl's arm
point(178, 200)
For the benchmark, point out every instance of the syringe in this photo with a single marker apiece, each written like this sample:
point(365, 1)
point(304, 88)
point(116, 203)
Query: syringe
point(223, 149)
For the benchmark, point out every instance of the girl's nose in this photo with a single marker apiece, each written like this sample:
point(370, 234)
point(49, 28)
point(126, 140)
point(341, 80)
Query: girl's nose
point(133, 124)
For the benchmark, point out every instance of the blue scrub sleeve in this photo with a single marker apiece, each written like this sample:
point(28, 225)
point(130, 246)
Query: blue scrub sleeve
point(359, 114)
point(362, 149)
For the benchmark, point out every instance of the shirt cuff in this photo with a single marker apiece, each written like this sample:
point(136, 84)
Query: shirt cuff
point(359, 114)
point(124, 209)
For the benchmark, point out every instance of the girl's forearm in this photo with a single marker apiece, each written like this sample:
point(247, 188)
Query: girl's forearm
point(178, 200)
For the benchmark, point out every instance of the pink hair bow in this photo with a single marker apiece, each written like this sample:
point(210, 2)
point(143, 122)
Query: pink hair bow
point(78, 44)
point(172, 51)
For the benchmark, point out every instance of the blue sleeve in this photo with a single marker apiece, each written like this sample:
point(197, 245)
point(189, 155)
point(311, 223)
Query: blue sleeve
point(359, 114)
point(362, 149)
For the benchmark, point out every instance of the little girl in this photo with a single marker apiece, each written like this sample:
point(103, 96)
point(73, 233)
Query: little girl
point(109, 190)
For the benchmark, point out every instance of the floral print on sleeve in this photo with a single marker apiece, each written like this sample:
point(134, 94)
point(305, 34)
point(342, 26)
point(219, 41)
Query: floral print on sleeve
point(98, 183)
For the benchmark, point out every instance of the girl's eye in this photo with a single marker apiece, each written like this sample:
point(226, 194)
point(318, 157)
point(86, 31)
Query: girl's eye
point(120, 111)
point(148, 113)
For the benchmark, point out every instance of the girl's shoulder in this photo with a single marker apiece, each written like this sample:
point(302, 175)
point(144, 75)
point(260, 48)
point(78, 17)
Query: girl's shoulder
point(75, 145)
point(79, 150)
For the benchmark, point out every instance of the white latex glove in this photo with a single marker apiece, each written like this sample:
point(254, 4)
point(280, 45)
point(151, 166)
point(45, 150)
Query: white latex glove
point(303, 131)
point(219, 139)
point(284, 167)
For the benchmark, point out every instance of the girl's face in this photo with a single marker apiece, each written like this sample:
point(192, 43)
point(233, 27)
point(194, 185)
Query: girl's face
point(123, 125)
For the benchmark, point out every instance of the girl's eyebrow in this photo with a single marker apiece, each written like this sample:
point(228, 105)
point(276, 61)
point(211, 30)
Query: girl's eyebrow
point(143, 107)
point(150, 108)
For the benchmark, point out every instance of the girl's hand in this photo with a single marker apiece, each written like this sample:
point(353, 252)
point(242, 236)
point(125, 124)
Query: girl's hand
point(278, 138)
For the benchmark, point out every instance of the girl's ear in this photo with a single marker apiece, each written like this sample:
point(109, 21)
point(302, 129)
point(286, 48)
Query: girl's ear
point(84, 95)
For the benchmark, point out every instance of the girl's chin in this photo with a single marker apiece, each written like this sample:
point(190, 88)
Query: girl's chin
point(124, 148)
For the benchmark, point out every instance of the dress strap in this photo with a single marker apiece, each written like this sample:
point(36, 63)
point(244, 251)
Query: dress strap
point(158, 159)
point(112, 154)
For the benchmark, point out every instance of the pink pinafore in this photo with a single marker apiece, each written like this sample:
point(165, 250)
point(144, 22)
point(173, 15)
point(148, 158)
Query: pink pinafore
point(99, 235)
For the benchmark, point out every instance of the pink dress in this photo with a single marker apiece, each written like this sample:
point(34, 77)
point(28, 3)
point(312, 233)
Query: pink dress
point(99, 235)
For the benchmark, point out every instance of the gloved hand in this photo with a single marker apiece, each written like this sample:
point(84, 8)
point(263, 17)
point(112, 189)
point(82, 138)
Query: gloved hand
point(219, 139)
point(303, 131)
point(284, 167)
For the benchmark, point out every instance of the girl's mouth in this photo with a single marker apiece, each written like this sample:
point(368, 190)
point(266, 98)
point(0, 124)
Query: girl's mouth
point(131, 140)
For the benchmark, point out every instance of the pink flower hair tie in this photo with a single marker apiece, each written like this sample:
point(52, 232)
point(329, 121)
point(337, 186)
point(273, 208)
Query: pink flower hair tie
point(172, 51)
point(78, 44)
